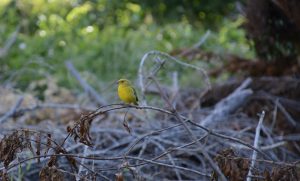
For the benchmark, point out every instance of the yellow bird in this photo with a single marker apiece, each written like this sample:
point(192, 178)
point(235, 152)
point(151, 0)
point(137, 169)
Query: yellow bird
point(126, 92)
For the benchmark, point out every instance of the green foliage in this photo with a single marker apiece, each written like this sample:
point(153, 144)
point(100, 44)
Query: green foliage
point(206, 12)
point(104, 39)
point(231, 38)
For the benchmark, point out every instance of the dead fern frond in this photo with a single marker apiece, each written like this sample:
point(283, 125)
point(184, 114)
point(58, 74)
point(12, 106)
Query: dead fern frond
point(49, 143)
point(9, 146)
point(51, 174)
point(38, 146)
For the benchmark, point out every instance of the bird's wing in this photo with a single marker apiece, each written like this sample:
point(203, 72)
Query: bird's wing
point(136, 97)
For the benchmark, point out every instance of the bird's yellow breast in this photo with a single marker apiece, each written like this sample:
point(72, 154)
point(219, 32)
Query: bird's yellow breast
point(126, 94)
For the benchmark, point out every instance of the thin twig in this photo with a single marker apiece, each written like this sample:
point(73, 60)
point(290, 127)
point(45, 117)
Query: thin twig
point(168, 57)
point(230, 138)
point(123, 106)
point(256, 141)
point(110, 158)
point(275, 145)
point(170, 166)
point(80, 170)
point(286, 114)
point(191, 134)
point(197, 45)
point(169, 157)
point(274, 115)
point(175, 88)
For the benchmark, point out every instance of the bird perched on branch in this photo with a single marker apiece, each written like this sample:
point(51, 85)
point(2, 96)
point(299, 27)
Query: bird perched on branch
point(126, 92)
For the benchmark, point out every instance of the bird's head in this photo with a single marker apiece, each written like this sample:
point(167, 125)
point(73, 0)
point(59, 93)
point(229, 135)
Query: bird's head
point(124, 82)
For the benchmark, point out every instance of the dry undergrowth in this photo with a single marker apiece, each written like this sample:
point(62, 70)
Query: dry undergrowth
point(125, 142)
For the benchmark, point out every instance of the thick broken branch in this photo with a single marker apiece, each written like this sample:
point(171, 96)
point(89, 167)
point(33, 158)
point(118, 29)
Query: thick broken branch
point(229, 104)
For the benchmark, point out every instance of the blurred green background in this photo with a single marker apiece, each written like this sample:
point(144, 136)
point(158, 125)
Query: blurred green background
point(105, 39)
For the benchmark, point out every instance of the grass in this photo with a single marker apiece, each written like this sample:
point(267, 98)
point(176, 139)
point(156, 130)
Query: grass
point(106, 54)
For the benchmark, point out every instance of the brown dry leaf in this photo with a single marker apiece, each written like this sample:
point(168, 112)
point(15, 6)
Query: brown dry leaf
point(227, 167)
point(9, 146)
point(81, 130)
point(52, 161)
point(284, 173)
point(4, 176)
point(119, 176)
point(267, 176)
point(69, 129)
point(244, 164)
point(233, 168)
point(126, 126)
point(72, 162)
point(38, 146)
point(84, 135)
point(51, 174)
point(48, 143)
point(28, 141)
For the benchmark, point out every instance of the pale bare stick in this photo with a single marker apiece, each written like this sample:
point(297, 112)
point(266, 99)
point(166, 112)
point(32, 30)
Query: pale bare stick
point(256, 140)
point(168, 57)
point(286, 114)
point(160, 146)
point(229, 104)
point(198, 44)
point(190, 133)
point(87, 88)
point(81, 168)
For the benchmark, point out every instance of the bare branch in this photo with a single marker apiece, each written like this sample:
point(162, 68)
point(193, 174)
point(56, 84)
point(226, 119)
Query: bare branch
point(229, 104)
point(191, 134)
point(87, 88)
point(168, 57)
point(286, 114)
point(256, 140)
